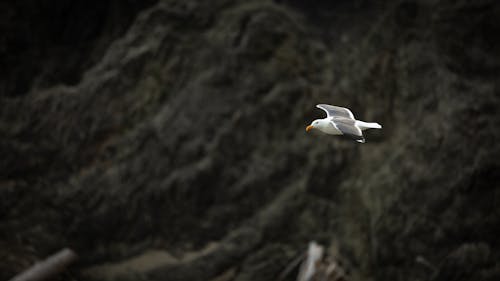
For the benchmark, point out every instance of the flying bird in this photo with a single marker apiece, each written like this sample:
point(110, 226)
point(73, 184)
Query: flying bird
point(340, 121)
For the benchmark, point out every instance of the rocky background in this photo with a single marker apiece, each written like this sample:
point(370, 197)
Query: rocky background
point(164, 140)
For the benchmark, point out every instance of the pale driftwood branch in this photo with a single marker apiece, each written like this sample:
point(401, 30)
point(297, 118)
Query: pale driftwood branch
point(321, 265)
point(309, 266)
point(47, 268)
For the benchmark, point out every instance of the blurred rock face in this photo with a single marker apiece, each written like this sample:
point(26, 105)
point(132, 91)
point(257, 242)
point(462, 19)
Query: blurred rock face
point(184, 133)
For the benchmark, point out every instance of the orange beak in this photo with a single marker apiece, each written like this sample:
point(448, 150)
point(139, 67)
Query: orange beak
point(308, 128)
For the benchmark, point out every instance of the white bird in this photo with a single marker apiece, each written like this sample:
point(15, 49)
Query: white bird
point(340, 121)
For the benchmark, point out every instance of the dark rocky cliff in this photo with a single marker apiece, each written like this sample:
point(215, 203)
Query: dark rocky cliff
point(165, 140)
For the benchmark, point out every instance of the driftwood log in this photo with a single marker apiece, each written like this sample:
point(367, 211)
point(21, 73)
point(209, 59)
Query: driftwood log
point(49, 267)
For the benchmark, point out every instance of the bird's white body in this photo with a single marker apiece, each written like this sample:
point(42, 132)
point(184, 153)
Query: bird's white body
point(324, 125)
point(326, 128)
point(340, 121)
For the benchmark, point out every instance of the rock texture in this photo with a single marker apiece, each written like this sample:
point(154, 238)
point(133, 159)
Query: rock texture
point(181, 134)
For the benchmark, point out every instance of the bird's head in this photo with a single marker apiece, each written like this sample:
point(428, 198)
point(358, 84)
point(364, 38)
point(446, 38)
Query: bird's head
point(317, 124)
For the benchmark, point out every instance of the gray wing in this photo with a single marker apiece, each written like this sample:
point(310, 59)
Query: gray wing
point(347, 127)
point(332, 111)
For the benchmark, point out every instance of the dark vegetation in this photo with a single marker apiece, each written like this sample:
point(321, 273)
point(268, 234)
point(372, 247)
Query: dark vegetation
point(164, 140)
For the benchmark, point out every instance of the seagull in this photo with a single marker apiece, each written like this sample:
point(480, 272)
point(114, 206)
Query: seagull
point(340, 121)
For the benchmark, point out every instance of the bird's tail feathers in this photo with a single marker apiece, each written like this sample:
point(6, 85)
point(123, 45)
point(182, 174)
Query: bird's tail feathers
point(368, 125)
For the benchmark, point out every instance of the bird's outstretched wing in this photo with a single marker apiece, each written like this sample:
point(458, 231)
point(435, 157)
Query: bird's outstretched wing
point(348, 127)
point(332, 111)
